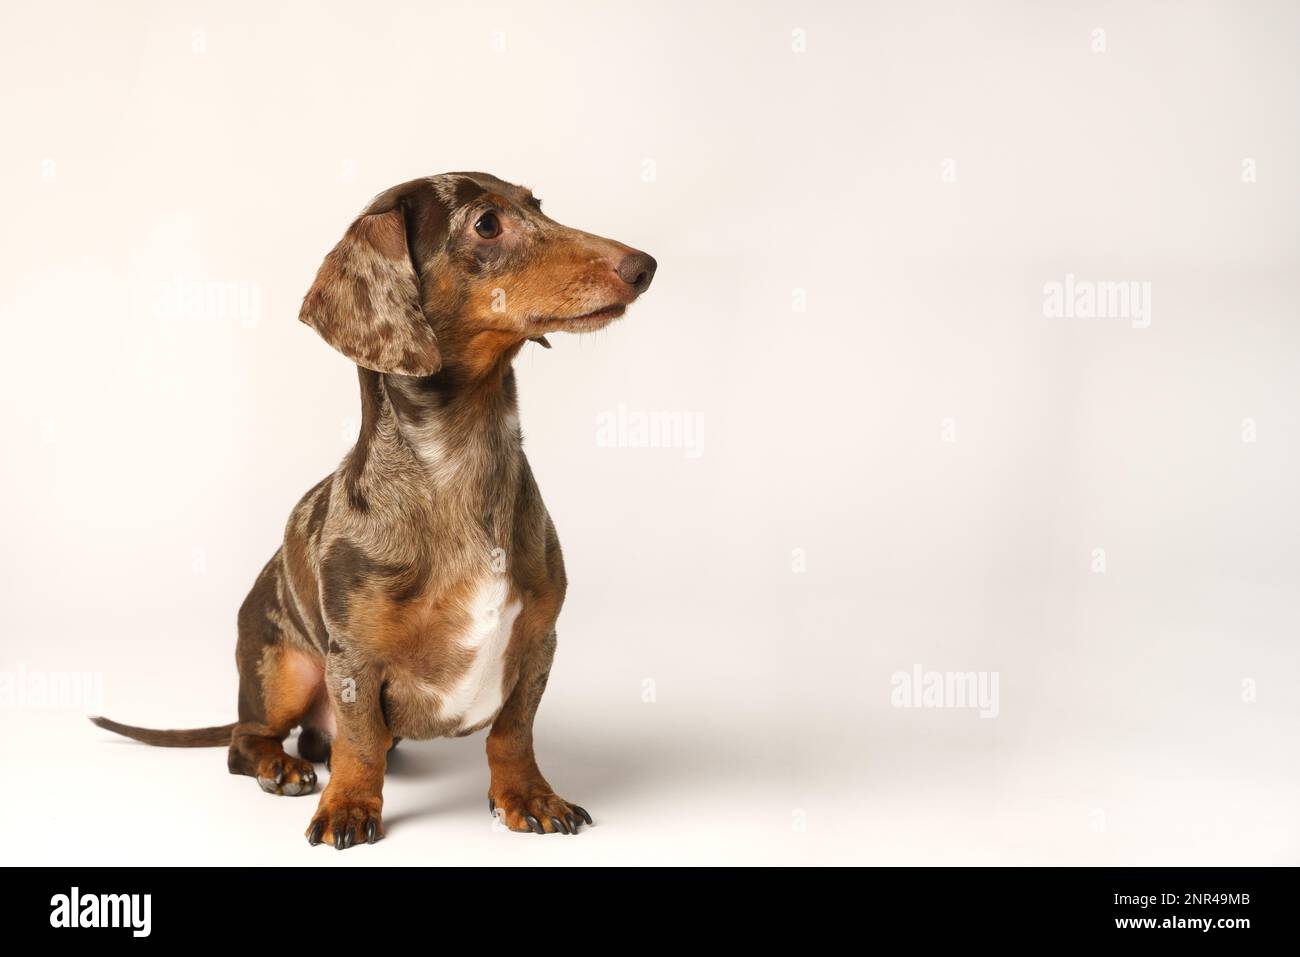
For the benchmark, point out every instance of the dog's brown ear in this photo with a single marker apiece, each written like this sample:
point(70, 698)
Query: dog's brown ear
point(365, 301)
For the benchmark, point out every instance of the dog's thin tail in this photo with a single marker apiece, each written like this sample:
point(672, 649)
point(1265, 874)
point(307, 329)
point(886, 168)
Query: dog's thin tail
point(184, 738)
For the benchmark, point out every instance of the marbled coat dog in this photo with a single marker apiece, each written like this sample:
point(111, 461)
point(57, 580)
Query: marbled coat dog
point(416, 591)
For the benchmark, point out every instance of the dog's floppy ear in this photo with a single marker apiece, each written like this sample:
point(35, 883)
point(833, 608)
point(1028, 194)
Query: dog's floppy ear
point(365, 301)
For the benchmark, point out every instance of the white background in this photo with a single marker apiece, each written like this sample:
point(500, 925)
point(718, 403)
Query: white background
point(155, 446)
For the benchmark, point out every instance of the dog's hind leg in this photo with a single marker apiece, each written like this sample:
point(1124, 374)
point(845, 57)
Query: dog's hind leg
point(280, 677)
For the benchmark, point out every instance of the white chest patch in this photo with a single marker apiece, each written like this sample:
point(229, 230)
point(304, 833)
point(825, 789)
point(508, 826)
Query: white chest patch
point(476, 697)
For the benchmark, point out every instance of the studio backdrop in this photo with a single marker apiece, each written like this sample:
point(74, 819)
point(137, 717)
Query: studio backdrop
point(936, 505)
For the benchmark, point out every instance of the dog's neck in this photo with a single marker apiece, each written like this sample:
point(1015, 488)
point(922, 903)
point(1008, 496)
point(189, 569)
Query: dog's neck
point(454, 433)
point(461, 431)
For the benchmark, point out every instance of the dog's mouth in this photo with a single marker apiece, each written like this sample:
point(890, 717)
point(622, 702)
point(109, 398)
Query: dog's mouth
point(588, 321)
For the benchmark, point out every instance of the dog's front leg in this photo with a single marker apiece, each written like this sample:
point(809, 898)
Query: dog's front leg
point(519, 795)
point(350, 805)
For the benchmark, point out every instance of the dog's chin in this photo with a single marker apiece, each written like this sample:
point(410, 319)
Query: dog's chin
point(587, 322)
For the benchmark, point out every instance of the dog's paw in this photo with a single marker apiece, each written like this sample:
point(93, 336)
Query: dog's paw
point(344, 822)
point(286, 775)
point(540, 812)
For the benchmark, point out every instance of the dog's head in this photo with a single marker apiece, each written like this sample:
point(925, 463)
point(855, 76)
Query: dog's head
point(467, 262)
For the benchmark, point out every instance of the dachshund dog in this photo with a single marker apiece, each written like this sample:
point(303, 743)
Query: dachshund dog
point(417, 588)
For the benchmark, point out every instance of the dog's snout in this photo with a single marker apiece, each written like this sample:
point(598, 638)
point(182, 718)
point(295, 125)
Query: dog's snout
point(637, 269)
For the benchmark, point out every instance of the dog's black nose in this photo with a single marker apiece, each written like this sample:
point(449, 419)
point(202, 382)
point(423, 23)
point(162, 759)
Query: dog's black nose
point(637, 269)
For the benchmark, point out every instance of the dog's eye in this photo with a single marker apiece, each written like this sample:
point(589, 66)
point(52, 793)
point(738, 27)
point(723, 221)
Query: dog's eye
point(488, 226)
